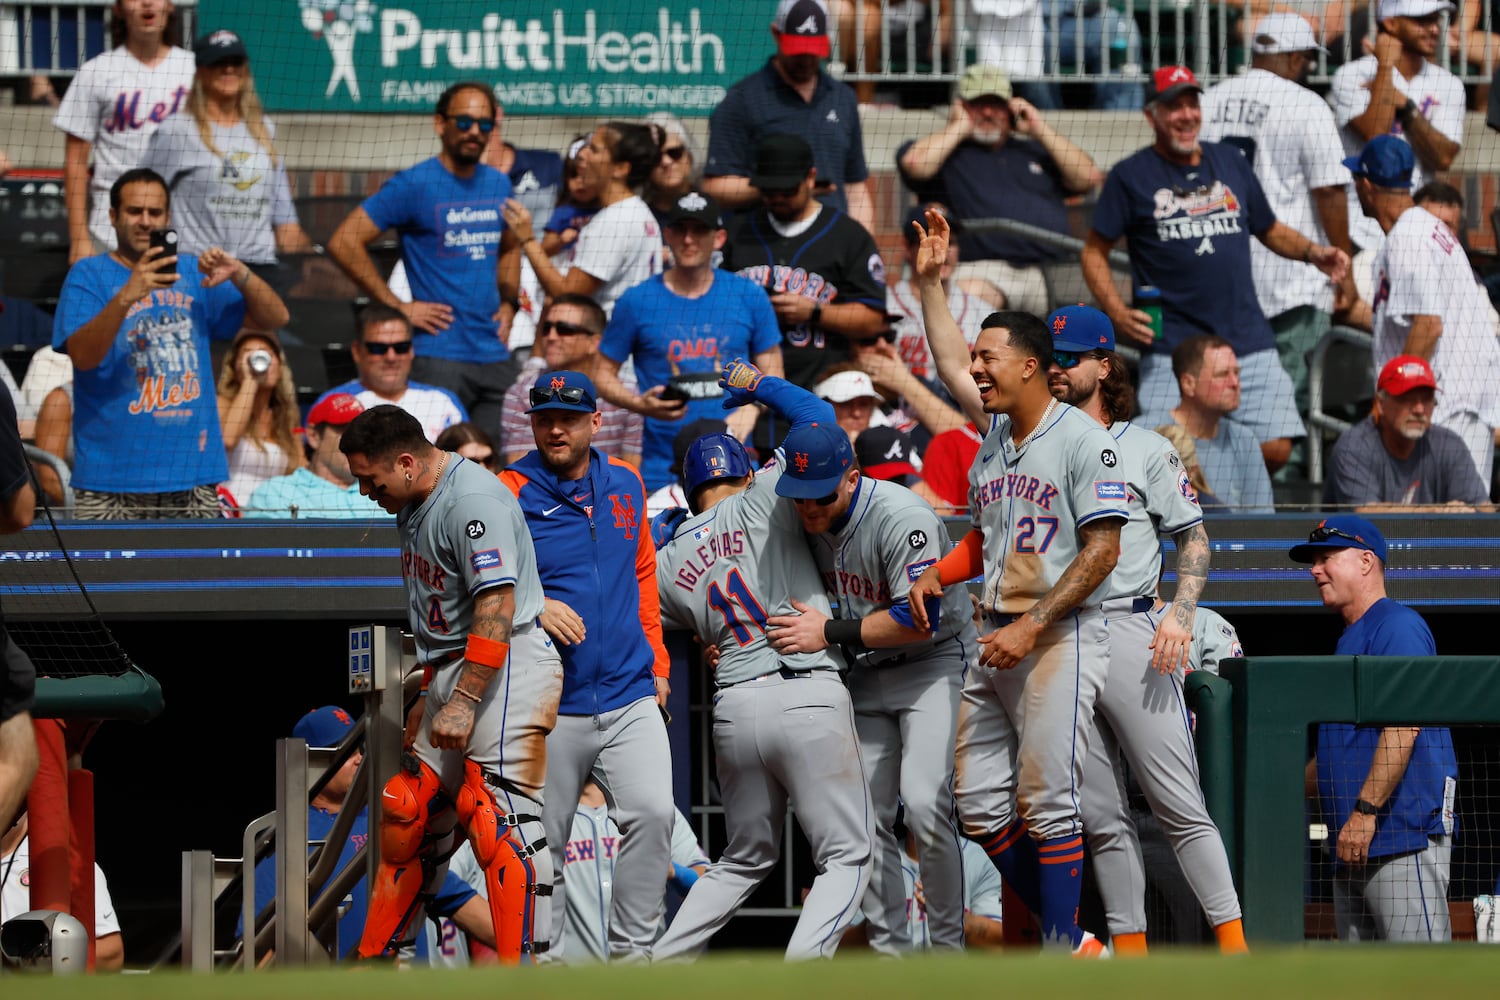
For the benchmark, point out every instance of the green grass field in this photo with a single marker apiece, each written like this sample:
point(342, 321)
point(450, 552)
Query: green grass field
point(1409, 973)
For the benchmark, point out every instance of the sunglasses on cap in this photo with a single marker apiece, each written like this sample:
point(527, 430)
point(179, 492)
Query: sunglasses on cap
point(381, 350)
point(562, 329)
point(674, 153)
point(465, 122)
point(572, 395)
point(1322, 533)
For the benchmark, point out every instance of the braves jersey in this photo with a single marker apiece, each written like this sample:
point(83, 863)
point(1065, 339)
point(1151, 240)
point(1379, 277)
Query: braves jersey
point(726, 570)
point(1422, 270)
point(467, 537)
point(1287, 133)
point(1029, 502)
point(875, 553)
point(832, 260)
point(1440, 99)
point(1161, 502)
point(1214, 639)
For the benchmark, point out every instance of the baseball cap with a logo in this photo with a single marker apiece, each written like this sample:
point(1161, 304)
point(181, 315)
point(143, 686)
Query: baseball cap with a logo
point(336, 410)
point(695, 207)
point(1284, 32)
point(842, 387)
point(1386, 161)
point(781, 162)
point(817, 456)
point(323, 727)
point(981, 80)
point(803, 28)
point(218, 46)
point(1081, 328)
point(1340, 531)
point(1412, 8)
point(563, 390)
point(1405, 372)
point(884, 453)
point(1169, 81)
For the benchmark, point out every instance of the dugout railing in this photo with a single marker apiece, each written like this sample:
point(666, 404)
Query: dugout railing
point(1253, 731)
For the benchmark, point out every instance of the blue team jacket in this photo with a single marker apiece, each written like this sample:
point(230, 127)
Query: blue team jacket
point(594, 553)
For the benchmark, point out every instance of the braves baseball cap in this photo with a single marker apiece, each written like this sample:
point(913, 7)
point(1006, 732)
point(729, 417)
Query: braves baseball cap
point(802, 27)
point(218, 46)
point(1341, 531)
point(1284, 32)
point(563, 390)
point(781, 162)
point(1386, 161)
point(817, 456)
point(695, 207)
point(1412, 8)
point(983, 80)
point(336, 409)
point(845, 386)
point(323, 727)
point(1405, 372)
point(1081, 328)
point(884, 453)
point(1169, 81)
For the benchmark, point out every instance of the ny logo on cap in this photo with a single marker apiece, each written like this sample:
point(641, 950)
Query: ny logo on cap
point(799, 459)
point(343, 716)
point(558, 382)
point(1058, 323)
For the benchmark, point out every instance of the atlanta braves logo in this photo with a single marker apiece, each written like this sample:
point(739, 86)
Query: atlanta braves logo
point(799, 459)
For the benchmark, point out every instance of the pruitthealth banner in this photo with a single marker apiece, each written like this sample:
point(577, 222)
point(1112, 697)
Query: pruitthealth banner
point(553, 57)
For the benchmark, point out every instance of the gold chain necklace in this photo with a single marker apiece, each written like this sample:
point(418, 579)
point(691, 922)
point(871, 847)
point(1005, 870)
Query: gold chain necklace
point(436, 479)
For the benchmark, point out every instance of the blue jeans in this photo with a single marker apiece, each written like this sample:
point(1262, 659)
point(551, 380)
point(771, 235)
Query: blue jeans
point(1107, 34)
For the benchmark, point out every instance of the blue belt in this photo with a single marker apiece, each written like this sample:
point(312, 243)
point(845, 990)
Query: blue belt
point(1135, 605)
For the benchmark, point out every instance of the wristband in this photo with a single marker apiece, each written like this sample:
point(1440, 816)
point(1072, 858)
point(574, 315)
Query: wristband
point(513, 301)
point(1405, 112)
point(486, 652)
point(817, 314)
point(842, 631)
point(1366, 808)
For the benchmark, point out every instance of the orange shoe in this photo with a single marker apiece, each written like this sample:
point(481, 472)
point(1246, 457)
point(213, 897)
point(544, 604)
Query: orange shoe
point(1090, 947)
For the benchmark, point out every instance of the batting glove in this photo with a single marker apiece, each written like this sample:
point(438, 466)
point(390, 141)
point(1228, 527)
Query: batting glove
point(739, 380)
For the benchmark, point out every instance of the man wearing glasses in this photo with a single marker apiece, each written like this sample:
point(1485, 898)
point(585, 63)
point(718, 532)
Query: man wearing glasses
point(586, 514)
point(568, 338)
point(1389, 791)
point(463, 266)
point(383, 354)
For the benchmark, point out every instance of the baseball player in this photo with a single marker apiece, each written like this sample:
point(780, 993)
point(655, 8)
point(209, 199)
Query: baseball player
point(1388, 790)
point(591, 857)
point(1214, 639)
point(871, 540)
point(585, 512)
point(494, 680)
point(981, 899)
point(1047, 520)
point(1141, 710)
point(783, 725)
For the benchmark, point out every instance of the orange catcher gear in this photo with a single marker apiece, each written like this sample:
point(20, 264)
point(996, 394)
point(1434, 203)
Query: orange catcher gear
point(408, 855)
point(510, 874)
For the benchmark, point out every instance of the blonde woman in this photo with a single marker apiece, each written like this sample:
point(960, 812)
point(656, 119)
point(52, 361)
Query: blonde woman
point(257, 413)
point(1187, 450)
point(680, 168)
point(228, 181)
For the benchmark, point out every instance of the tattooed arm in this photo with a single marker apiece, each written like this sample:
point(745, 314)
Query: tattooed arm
point(1175, 633)
point(1096, 559)
point(494, 610)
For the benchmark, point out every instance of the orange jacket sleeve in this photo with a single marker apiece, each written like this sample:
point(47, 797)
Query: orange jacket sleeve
point(645, 572)
point(965, 562)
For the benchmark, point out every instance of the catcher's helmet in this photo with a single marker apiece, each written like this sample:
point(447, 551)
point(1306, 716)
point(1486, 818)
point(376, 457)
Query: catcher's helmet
point(711, 457)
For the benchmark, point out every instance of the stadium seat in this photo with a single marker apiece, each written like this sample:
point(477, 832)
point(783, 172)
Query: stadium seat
point(1340, 389)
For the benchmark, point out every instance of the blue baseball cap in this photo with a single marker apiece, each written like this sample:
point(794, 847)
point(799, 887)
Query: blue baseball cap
point(564, 390)
point(1081, 328)
point(324, 727)
point(1386, 161)
point(817, 456)
point(1341, 531)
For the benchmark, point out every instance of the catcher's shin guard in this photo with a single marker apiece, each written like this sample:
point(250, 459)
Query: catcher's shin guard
point(407, 858)
point(509, 872)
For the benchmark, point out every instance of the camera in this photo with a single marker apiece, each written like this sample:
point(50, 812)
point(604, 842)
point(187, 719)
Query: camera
point(166, 239)
point(259, 361)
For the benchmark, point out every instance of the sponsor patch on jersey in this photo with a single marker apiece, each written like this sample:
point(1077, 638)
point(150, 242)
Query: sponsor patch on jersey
point(877, 267)
point(917, 539)
point(1108, 458)
point(488, 559)
point(916, 569)
point(474, 529)
point(1109, 490)
point(1185, 487)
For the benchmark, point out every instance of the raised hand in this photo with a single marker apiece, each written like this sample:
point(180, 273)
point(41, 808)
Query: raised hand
point(932, 250)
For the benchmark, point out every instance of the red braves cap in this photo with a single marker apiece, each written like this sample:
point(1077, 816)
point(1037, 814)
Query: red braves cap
point(337, 410)
point(1406, 372)
point(802, 27)
point(1169, 81)
point(884, 453)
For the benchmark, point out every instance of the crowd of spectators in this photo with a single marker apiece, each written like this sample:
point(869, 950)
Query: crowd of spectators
point(648, 260)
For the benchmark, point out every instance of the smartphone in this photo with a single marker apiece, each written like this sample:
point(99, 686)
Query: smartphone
point(167, 240)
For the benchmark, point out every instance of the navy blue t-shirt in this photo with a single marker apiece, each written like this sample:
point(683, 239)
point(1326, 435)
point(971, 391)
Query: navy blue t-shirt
point(1189, 230)
point(1422, 804)
point(764, 104)
point(1018, 180)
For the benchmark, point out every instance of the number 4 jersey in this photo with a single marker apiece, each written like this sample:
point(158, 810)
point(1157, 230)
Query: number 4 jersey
point(728, 569)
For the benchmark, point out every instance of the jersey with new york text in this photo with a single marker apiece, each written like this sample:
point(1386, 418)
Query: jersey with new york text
point(467, 537)
point(1029, 503)
point(730, 568)
point(1161, 502)
point(888, 537)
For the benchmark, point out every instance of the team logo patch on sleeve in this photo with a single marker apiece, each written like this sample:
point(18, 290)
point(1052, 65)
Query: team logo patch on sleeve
point(1185, 487)
point(1109, 490)
point(474, 529)
point(877, 267)
point(916, 569)
point(488, 559)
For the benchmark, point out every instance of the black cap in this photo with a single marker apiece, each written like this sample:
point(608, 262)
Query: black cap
point(919, 214)
point(695, 207)
point(217, 46)
point(781, 162)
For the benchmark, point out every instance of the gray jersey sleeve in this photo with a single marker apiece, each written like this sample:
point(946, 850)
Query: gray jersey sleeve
point(894, 536)
point(685, 848)
point(1214, 639)
point(981, 882)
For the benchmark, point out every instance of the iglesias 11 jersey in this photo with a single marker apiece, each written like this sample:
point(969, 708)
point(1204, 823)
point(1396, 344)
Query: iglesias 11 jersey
point(468, 536)
point(1030, 501)
point(1161, 502)
point(726, 570)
